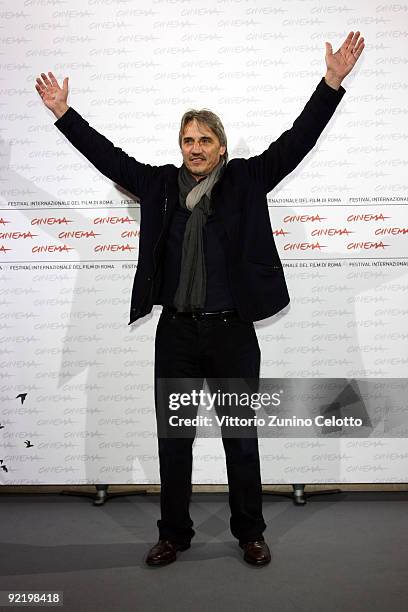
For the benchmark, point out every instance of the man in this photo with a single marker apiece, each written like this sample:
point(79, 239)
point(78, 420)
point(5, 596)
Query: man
point(207, 255)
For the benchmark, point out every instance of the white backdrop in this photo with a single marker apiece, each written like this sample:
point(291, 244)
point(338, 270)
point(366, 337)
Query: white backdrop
point(76, 381)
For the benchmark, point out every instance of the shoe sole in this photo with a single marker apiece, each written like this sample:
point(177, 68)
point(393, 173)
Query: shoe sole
point(257, 563)
point(160, 563)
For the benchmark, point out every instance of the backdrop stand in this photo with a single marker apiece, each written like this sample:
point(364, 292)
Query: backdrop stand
point(299, 496)
point(101, 496)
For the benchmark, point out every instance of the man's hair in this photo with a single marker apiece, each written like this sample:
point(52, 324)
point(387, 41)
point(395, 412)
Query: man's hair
point(209, 119)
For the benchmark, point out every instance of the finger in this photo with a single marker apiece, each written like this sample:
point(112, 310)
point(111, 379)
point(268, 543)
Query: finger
point(353, 43)
point(347, 42)
point(354, 40)
point(65, 85)
point(329, 49)
point(40, 91)
point(53, 79)
point(357, 52)
point(46, 80)
point(40, 84)
point(360, 43)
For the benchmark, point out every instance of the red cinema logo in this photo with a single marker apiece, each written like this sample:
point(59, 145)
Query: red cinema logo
point(353, 246)
point(16, 235)
point(303, 218)
point(113, 220)
point(113, 248)
point(367, 217)
point(389, 231)
point(77, 234)
point(50, 221)
point(51, 248)
point(332, 231)
point(303, 246)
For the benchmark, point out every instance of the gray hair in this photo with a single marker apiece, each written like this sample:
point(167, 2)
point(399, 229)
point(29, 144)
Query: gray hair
point(209, 119)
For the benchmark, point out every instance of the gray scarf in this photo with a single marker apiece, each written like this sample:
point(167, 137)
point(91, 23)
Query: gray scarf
point(196, 197)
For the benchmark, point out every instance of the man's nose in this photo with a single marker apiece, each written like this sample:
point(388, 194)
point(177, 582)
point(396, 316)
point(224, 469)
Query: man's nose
point(196, 147)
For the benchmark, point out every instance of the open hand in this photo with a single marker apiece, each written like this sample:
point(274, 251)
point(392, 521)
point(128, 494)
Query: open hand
point(53, 96)
point(342, 62)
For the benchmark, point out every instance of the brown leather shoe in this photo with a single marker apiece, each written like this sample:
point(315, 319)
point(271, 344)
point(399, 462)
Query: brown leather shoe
point(256, 553)
point(164, 552)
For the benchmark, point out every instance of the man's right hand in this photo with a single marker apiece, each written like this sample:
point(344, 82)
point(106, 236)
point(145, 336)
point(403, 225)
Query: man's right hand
point(53, 96)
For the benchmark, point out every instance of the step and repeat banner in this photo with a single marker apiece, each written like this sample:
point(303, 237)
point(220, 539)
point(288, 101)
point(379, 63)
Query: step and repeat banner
point(76, 386)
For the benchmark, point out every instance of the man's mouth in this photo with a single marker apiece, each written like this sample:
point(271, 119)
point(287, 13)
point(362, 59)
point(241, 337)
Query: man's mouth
point(197, 160)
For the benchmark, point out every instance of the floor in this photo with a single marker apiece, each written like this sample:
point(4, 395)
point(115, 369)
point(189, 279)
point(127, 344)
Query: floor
point(338, 552)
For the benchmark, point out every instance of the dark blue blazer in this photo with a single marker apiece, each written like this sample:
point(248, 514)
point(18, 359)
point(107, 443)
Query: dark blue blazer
point(256, 277)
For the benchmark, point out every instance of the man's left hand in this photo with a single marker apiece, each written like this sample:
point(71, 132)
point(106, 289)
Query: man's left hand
point(342, 62)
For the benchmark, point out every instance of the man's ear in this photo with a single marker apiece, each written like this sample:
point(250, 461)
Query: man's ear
point(222, 150)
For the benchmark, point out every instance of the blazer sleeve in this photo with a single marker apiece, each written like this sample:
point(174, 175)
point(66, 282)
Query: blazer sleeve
point(285, 153)
point(108, 159)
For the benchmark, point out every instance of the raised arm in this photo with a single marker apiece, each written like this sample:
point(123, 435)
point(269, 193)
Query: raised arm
point(285, 153)
point(108, 159)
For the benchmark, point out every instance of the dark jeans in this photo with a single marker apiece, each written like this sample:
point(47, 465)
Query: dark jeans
point(197, 349)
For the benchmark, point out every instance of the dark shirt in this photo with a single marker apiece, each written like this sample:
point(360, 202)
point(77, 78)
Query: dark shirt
point(218, 296)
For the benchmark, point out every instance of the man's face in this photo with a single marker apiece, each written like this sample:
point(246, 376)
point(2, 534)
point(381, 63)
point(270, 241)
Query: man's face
point(200, 148)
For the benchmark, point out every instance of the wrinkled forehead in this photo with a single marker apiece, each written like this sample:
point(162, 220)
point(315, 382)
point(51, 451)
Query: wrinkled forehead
point(198, 128)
